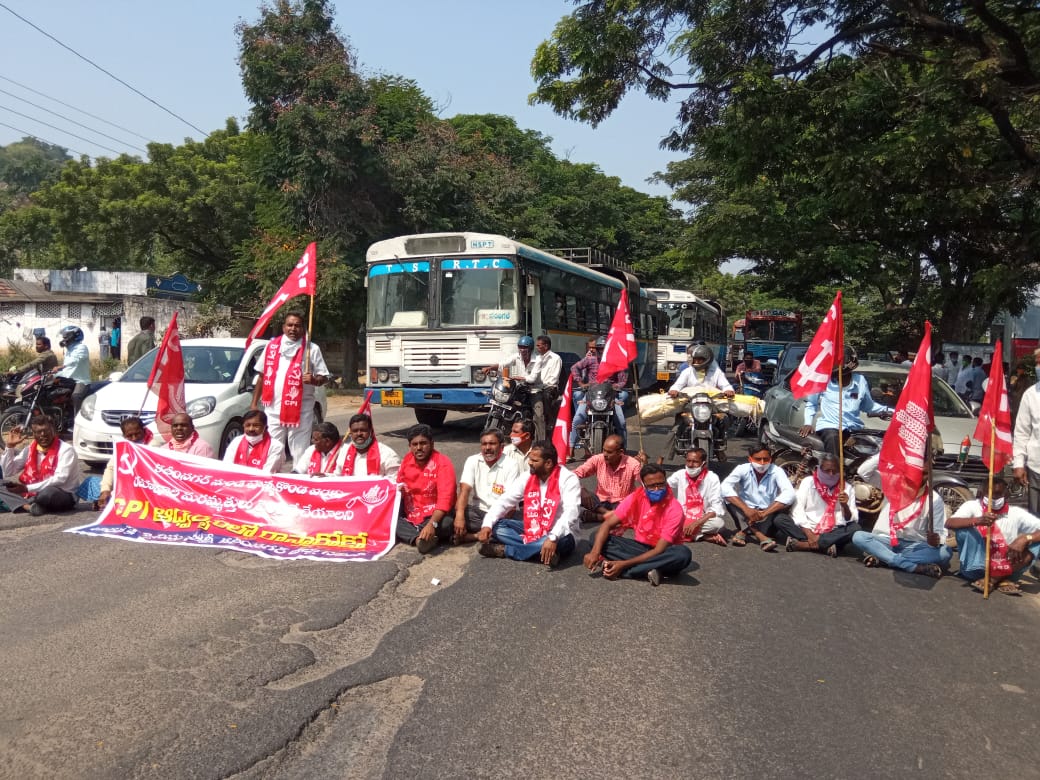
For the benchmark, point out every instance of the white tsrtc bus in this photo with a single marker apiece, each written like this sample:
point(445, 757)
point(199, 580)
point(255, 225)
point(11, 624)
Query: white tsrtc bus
point(687, 319)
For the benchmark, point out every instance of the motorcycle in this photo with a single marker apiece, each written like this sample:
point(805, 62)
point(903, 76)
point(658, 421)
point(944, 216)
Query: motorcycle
point(702, 424)
point(9, 390)
point(600, 423)
point(40, 394)
point(753, 384)
point(510, 401)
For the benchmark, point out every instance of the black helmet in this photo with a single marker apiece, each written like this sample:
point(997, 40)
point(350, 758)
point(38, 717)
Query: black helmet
point(525, 341)
point(601, 342)
point(701, 355)
point(850, 363)
point(70, 335)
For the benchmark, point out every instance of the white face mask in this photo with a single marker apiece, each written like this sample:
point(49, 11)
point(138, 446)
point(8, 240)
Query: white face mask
point(998, 504)
point(761, 468)
point(254, 440)
point(694, 472)
point(516, 440)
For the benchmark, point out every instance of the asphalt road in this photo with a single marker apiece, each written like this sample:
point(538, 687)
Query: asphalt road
point(129, 660)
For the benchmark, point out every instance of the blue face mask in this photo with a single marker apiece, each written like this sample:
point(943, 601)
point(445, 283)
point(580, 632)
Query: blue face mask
point(656, 494)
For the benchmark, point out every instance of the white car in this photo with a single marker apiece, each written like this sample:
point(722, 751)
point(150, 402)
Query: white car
point(220, 375)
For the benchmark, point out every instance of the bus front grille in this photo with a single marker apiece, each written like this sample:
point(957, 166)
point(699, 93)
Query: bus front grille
point(433, 358)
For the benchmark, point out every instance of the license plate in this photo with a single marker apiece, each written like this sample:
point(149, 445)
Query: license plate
point(393, 398)
point(663, 376)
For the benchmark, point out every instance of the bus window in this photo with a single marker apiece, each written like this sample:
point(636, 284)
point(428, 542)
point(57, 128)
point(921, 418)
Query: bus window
point(398, 289)
point(572, 313)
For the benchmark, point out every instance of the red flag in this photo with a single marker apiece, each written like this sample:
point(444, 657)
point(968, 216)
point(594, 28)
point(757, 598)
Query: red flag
point(366, 405)
point(301, 281)
point(995, 417)
point(561, 437)
point(167, 379)
point(905, 445)
point(823, 356)
point(621, 343)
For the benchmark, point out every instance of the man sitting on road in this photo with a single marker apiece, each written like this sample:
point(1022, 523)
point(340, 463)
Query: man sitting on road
point(551, 498)
point(702, 371)
point(911, 540)
point(759, 495)
point(427, 479)
point(484, 478)
point(855, 398)
point(698, 491)
point(824, 517)
point(1015, 543)
point(521, 437)
point(364, 455)
point(134, 431)
point(185, 439)
point(255, 448)
point(656, 551)
point(321, 458)
point(617, 475)
point(42, 477)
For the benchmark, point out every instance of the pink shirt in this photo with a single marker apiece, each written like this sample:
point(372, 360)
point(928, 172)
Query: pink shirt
point(198, 447)
point(652, 522)
point(611, 484)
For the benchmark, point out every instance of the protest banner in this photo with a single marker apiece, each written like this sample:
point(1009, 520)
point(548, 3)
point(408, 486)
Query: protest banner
point(166, 498)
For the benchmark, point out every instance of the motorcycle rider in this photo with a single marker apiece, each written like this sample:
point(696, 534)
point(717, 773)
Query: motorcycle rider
point(521, 365)
point(702, 371)
point(748, 364)
point(855, 398)
point(544, 381)
point(45, 360)
point(584, 375)
point(76, 365)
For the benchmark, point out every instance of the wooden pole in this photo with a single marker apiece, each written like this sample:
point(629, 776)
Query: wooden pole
point(635, 387)
point(307, 335)
point(989, 503)
point(841, 438)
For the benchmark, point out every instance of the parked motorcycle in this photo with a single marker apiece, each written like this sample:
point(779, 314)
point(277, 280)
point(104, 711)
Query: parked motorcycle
point(753, 384)
point(702, 423)
point(9, 389)
point(600, 399)
point(510, 400)
point(40, 394)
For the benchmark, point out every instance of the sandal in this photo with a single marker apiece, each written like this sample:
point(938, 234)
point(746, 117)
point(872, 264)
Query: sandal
point(1009, 587)
point(739, 539)
point(872, 562)
point(932, 570)
point(767, 545)
point(718, 539)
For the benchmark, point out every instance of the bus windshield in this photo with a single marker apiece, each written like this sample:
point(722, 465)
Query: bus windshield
point(398, 295)
point(786, 331)
point(479, 292)
point(680, 319)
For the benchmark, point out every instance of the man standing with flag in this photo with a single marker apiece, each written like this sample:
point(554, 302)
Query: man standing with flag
point(292, 367)
point(1027, 441)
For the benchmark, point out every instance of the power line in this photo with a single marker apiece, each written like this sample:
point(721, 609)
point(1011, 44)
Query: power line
point(74, 108)
point(78, 124)
point(42, 140)
point(61, 130)
point(107, 73)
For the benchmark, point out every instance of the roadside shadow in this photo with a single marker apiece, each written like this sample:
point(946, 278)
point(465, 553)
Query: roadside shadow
point(915, 581)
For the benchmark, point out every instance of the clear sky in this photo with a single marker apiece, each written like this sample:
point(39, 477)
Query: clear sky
point(469, 56)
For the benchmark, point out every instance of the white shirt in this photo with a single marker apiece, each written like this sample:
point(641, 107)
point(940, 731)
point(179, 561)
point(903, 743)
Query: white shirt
point(870, 471)
point(810, 507)
point(275, 455)
point(285, 356)
point(389, 462)
point(547, 370)
point(917, 531)
point(567, 513)
point(1026, 443)
point(710, 489)
point(713, 377)
point(329, 461)
point(518, 369)
point(522, 464)
point(1017, 521)
point(940, 370)
point(488, 482)
point(76, 364)
point(67, 471)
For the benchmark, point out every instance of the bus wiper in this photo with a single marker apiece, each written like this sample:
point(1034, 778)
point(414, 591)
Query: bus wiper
point(410, 273)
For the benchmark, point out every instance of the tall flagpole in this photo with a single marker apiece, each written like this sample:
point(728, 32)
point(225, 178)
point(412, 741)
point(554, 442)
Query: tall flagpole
point(841, 437)
point(989, 503)
point(635, 387)
point(306, 343)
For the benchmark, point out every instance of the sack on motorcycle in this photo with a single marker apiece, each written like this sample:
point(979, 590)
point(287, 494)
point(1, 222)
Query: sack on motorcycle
point(660, 405)
point(747, 406)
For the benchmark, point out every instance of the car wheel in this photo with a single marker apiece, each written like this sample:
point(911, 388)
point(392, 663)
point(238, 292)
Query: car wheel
point(231, 432)
point(953, 496)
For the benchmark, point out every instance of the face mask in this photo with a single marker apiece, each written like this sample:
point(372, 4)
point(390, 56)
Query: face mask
point(998, 504)
point(364, 445)
point(694, 472)
point(516, 440)
point(656, 494)
point(254, 440)
point(761, 468)
point(828, 480)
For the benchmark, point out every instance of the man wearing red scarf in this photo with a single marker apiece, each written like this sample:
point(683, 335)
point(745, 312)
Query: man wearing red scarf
point(186, 439)
point(823, 518)
point(133, 430)
point(699, 492)
point(42, 477)
point(551, 502)
point(322, 457)
point(657, 520)
point(363, 455)
point(286, 385)
point(1015, 543)
point(427, 479)
point(256, 448)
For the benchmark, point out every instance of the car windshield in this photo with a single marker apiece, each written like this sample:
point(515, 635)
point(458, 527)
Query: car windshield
point(202, 365)
point(885, 387)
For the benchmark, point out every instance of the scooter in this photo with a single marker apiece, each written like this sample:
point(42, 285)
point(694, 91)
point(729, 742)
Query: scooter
point(510, 401)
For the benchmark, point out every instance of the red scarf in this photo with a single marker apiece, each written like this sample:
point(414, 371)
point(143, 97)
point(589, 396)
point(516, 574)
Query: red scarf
point(694, 504)
point(830, 495)
point(912, 512)
point(999, 564)
point(421, 482)
point(371, 460)
point(540, 513)
point(173, 445)
point(253, 456)
point(316, 467)
point(32, 472)
point(651, 516)
point(292, 393)
point(146, 437)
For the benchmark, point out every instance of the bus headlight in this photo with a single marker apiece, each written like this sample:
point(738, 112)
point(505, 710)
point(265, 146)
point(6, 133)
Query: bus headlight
point(383, 375)
point(672, 366)
point(395, 376)
point(479, 376)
